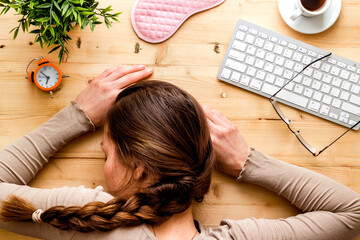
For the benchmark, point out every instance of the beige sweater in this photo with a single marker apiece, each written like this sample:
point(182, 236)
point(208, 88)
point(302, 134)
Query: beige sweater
point(331, 210)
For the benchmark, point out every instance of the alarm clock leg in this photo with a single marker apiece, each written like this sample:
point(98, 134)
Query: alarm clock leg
point(51, 94)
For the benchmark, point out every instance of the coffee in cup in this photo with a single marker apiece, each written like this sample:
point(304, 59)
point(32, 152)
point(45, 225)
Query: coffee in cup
point(310, 8)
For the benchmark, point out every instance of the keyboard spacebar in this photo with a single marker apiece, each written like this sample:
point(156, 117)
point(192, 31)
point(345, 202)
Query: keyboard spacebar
point(285, 95)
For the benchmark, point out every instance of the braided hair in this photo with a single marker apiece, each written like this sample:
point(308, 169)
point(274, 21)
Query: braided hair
point(161, 127)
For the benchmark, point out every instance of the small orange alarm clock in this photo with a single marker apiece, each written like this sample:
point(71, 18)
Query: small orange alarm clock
point(47, 76)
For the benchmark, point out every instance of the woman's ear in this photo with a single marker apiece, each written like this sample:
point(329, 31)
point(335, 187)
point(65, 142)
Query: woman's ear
point(139, 173)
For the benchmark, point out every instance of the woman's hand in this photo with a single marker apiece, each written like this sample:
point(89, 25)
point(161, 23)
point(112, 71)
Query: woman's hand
point(100, 95)
point(230, 147)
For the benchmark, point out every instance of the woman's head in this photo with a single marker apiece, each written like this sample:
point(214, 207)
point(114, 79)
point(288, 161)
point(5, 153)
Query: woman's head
point(159, 159)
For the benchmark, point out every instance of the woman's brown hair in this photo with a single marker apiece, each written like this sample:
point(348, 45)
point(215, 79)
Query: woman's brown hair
point(160, 127)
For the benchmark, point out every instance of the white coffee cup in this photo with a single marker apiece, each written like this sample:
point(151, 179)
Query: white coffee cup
point(301, 10)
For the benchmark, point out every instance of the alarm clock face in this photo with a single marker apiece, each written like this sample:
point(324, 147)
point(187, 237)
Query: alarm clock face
point(47, 77)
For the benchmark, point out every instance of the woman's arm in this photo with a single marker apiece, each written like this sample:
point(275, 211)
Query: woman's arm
point(21, 160)
point(332, 210)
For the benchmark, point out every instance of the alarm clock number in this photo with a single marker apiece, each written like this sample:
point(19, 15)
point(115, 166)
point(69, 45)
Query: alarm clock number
point(47, 76)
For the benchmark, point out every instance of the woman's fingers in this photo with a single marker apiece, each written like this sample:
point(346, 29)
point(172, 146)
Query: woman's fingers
point(122, 71)
point(216, 117)
point(131, 78)
point(106, 73)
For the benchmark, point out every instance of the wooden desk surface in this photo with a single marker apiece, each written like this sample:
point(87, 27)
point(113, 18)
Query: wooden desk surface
point(190, 61)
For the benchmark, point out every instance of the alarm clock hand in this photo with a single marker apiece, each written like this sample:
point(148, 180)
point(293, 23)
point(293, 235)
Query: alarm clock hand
point(44, 74)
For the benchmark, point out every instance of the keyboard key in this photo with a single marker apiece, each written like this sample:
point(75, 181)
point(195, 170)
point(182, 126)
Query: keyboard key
point(344, 95)
point(290, 86)
point(253, 31)
point(298, 79)
point(335, 71)
point(273, 39)
point(325, 67)
point(354, 78)
point(342, 119)
point(270, 78)
point(317, 96)
point(308, 92)
point(283, 42)
point(355, 89)
point(259, 63)
point(288, 74)
point(336, 103)
point(245, 80)
point(244, 28)
point(350, 108)
point(251, 71)
point(335, 92)
point(263, 35)
point(346, 85)
point(259, 42)
point(311, 53)
point(279, 82)
point(306, 60)
point(288, 53)
point(344, 74)
point(260, 75)
point(307, 81)
point(297, 57)
point(351, 68)
point(260, 53)
point(255, 84)
point(278, 71)
point(278, 49)
point(327, 78)
point(269, 67)
point(226, 73)
point(302, 50)
point(317, 75)
point(314, 106)
point(336, 82)
point(352, 123)
point(327, 99)
point(285, 95)
point(235, 76)
point(298, 89)
point(237, 55)
point(298, 67)
point(308, 71)
point(270, 57)
point(325, 88)
point(324, 110)
point(251, 50)
point(239, 45)
point(289, 64)
point(316, 85)
point(269, 46)
point(344, 114)
point(249, 60)
point(293, 46)
point(279, 60)
point(235, 65)
point(332, 61)
point(341, 64)
point(240, 35)
point(333, 115)
point(355, 99)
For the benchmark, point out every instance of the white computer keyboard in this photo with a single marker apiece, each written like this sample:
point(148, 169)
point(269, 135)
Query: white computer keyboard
point(262, 61)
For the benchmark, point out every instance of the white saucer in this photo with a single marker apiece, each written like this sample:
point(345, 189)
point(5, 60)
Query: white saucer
point(309, 25)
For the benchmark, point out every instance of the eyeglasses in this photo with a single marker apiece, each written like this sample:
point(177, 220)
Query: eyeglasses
point(273, 101)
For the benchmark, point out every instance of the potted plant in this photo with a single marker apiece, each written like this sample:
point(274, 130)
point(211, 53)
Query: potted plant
point(52, 20)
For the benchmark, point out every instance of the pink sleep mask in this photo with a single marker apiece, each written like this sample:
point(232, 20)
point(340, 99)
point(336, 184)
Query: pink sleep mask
point(155, 21)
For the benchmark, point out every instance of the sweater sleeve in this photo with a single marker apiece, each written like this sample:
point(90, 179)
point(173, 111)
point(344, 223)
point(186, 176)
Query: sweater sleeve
point(21, 160)
point(331, 210)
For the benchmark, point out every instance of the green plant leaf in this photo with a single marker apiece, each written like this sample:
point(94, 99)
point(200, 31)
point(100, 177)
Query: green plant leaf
point(44, 19)
point(55, 17)
point(45, 5)
point(16, 32)
point(54, 49)
point(57, 5)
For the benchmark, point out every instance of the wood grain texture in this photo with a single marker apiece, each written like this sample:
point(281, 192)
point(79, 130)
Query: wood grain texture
point(190, 61)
